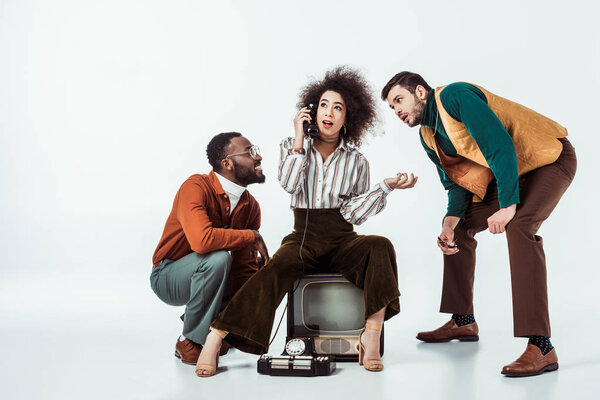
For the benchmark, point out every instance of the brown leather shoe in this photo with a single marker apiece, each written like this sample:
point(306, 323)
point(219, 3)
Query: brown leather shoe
point(532, 362)
point(449, 331)
point(187, 351)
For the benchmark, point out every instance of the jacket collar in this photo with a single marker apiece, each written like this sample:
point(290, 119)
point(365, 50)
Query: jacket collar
point(214, 181)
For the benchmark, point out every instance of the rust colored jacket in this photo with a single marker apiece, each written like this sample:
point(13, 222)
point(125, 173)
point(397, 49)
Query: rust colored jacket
point(200, 222)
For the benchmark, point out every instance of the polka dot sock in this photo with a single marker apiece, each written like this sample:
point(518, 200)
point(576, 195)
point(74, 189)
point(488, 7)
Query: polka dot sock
point(463, 319)
point(542, 342)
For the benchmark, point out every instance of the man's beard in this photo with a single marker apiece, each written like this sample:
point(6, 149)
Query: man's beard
point(417, 113)
point(246, 175)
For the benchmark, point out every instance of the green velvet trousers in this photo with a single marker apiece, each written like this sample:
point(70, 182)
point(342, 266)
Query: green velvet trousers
point(330, 245)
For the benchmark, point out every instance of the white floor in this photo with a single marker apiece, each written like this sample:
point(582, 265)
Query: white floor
point(94, 343)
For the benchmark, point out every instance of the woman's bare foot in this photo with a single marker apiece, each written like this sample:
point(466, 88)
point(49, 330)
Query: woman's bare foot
point(370, 341)
point(208, 359)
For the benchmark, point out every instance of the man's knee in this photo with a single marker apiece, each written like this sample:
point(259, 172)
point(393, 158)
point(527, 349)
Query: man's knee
point(520, 227)
point(216, 263)
point(465, 231)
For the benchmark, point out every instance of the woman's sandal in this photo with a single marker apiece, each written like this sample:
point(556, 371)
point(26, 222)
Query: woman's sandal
point(368, 364)
point(211, 369)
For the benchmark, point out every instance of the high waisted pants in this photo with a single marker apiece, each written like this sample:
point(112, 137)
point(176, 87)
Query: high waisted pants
point(540, 190)
point(331, 244)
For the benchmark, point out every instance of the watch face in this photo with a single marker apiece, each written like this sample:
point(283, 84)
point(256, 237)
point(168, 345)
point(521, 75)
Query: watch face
point(295, 347)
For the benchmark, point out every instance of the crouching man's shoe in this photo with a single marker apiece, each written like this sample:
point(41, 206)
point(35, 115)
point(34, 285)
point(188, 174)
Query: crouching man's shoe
point(187, 351)
point(532, 362)
point(449, 331)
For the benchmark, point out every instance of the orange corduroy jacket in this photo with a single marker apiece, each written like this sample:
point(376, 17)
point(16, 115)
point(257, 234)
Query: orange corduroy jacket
point(200, 221)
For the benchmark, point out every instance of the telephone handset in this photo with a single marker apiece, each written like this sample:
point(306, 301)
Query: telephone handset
point(311, 129)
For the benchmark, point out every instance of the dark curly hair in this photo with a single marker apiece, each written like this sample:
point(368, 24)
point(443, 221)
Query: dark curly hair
point(354, 89)
point(217, 148)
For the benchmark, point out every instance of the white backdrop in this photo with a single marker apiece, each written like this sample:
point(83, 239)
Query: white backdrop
point(106, 107)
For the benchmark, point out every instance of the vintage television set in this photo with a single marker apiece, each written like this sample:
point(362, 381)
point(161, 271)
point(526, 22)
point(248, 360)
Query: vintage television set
point(330, 311)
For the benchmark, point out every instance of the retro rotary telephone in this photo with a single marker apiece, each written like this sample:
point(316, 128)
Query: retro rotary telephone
point(298, 359)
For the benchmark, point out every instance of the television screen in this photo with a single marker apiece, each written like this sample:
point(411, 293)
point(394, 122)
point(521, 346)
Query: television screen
point(331, 311)
point(332, 306)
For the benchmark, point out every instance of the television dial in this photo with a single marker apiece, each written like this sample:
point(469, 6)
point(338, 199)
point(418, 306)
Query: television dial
point(295, 347)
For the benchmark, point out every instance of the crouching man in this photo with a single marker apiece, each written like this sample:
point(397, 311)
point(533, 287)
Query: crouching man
point(209, 245)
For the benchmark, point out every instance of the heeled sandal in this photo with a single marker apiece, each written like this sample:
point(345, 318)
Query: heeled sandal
point(211, 369)
point(368, 364)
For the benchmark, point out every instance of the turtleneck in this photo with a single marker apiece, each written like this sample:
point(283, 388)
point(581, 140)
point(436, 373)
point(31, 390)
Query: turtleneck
point(233, 190)
point(430, 113)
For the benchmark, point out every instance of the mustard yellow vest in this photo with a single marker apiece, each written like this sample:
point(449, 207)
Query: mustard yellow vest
point(534, 136)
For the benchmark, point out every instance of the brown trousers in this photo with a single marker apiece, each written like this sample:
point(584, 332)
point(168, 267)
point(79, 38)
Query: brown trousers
point(540, 190)
point(331, 244)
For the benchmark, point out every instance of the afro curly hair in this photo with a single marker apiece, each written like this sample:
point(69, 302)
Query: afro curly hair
point(361, 115)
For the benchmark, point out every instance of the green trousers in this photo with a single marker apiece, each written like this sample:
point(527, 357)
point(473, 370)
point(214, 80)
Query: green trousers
point(331, 244)
point(201, 282)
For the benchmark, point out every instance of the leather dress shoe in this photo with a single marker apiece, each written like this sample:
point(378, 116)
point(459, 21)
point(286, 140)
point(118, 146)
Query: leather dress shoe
point(187, 351)
point(449, 331)
point(532, 362)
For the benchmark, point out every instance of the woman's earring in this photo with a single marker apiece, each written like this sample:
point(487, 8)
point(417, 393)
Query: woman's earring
point(344, 126)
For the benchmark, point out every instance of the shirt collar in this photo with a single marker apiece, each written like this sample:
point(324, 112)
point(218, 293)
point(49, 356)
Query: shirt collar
point(343, 145)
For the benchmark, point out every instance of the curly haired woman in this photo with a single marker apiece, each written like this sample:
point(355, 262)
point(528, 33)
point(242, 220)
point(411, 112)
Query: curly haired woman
point(328, 178)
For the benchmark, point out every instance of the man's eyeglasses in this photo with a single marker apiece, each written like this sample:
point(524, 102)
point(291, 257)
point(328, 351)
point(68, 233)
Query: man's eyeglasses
point(253, 152)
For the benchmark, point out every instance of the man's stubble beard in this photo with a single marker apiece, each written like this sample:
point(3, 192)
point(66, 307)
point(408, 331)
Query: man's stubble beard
point(247, 176)
point(417, 113)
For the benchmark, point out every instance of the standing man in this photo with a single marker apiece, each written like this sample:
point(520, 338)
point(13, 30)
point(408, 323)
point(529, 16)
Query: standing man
point(209, 243)
point(505, 168)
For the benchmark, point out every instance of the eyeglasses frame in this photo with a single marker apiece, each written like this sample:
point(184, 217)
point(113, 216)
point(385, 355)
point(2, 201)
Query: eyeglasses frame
point(254, 148)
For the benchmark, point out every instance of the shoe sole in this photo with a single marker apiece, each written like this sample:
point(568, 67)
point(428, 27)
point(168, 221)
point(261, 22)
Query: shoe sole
point(184, 361)
point(221, 353)
point(473, 338)
point(547, 368)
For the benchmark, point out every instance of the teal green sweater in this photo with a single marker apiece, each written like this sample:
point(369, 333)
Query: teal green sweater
point(467, 104)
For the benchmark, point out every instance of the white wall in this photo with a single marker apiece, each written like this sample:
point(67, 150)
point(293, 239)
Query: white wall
point(106, 107)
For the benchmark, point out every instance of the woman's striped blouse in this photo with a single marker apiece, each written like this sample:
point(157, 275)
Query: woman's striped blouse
point(342, 181)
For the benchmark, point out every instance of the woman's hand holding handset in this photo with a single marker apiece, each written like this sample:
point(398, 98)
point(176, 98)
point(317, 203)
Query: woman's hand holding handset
point(302, 116)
